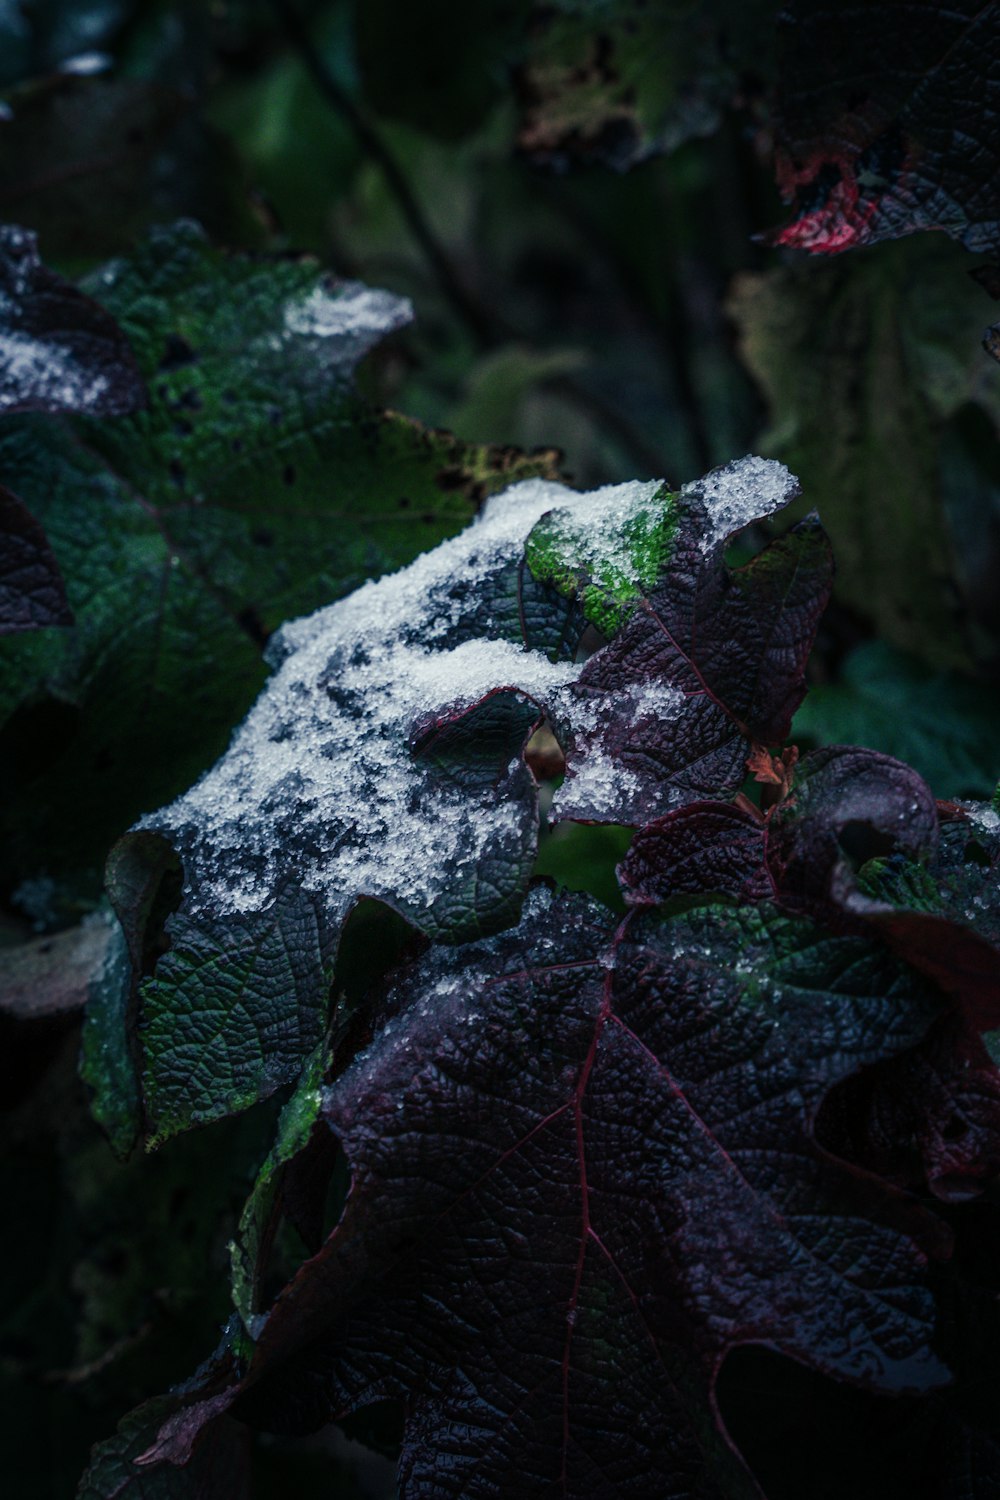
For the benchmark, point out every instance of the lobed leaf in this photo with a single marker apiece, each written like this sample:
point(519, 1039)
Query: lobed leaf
point(867, 100)
point(255, 485)
point(638, 1192)
point(710, 662)
point(385, 759)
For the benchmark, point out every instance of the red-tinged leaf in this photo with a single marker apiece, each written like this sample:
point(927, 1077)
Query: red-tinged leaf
point(32, 592)
point(932, 1116)
point(583, 1171)
point(886, 122)
point(930, 890)
point(847, 805)
point(219, 1468)
point(59, 350)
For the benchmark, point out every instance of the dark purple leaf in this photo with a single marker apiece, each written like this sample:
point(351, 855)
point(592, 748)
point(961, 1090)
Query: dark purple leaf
point(848, 805)
point(59, 351)
point(887, 122)
point(943, 915)
point(857, 841)
point(705, 847)
point(386, 756)
point(584, 1170)
point(32, 592)
point(709, 663)
point(928, 1118)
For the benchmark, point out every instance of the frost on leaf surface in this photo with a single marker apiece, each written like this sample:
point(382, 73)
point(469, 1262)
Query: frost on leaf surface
point(637, 1192)
point(384, 759)
point(59, 350)
point(708, 661)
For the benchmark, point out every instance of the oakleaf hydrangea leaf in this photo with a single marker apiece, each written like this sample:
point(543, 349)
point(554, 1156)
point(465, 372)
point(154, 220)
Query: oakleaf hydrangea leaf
point(637, 1193)
point(59, 350)
point(928, 1118)
point(385, 757)
point(942, 913)
point(845, 806)
point(711, 660)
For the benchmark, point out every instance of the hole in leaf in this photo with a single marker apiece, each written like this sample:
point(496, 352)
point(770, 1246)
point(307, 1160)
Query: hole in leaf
point(861, 841)
point(975, 854)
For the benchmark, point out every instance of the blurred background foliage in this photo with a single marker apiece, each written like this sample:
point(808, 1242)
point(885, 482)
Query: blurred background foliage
point(573, 195)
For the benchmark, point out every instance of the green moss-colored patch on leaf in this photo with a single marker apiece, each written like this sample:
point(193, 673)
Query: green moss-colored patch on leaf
point(609, 569)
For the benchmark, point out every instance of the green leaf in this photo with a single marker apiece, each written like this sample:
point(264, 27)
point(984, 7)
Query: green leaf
point(257, 486)
point(294, 1129)
point(106, 1064)
point(386, 756)
point(944, 726)
point(618, 83)
point(609, 569)
point(232, 1010)
point(884, 404)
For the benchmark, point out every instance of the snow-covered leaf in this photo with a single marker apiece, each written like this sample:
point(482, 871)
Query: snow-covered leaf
point(59, 350)
point(385, 760)
point(256, 485)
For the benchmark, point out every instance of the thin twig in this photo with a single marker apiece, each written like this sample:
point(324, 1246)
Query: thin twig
point(474, 316)
point(487, 326)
